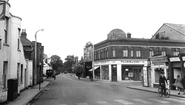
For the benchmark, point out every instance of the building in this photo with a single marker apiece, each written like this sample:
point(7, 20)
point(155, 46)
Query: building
point(12, 60)
point(121, 57)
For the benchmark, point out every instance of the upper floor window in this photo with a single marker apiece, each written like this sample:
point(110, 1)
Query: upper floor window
point(102, 54)
point(151, 52)
point(107, 54)
point(138, 52)
point(18, 44)
point(163, 52)
point(131, 52)
point(98, 54)
point(0, 43)
point(94, 55)
point(125, 52)
point(176, 51)
point(6, 30)
point(114, 52)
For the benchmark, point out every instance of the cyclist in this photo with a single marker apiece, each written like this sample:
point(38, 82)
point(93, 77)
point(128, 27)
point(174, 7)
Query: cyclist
point(162, 83)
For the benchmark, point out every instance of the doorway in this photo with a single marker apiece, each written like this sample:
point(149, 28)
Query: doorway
point(114, 73)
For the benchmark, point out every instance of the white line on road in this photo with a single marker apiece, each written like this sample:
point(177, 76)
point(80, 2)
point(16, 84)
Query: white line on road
point(82, 104)
point(123, 102)
point(160, 101)
point(103, 103)
point(176, 100)
point(142, 101)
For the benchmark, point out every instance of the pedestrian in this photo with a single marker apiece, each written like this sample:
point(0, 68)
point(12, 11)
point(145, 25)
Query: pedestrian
point(178, 84)
point(163, 83)
point(183, 83)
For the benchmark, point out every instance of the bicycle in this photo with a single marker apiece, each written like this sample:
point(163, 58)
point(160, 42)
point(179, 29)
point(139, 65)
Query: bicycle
point(167, 92)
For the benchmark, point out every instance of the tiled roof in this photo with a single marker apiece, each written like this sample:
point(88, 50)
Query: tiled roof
point(177, 27)
point(26, 43)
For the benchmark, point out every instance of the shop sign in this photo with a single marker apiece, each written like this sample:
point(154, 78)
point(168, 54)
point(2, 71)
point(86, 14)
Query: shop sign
point(131, 61)
point(159, 60)
point(174, 59)
point(183, 58)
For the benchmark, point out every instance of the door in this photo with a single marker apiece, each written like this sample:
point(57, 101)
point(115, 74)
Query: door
point(114, 73)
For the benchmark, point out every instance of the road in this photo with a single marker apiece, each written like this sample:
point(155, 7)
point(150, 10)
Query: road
point(67, 90)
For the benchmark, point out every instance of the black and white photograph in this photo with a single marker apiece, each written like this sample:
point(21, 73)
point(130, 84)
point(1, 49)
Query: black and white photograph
point(92, 52)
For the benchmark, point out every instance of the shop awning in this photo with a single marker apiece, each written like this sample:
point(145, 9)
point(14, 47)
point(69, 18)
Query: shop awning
point(95, 68)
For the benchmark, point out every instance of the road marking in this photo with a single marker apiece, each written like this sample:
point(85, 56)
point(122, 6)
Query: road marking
point(82, 104)
point(176, 100)
point(103, 103)
point(142, 101)
point(123, 102)
point(160, 101)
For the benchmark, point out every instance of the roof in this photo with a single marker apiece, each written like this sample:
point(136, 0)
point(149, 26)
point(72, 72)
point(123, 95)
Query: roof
point(26, 43)
point(178, 27)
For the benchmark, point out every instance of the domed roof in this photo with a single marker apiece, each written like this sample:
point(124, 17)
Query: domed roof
point(116, 34)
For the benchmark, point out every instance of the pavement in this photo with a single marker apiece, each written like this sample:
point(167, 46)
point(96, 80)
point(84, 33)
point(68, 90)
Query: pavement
point(29, 94)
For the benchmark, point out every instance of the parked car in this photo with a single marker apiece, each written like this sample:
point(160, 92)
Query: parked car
point(49, 73)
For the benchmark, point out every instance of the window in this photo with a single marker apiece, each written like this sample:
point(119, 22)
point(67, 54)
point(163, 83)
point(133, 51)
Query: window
point(125, 52)
point(176, 51)
point(5, 68)
point(131, 52)
point(138, 52)
point(98, 54)
point(21, 73)
point(107, 55)
point(102, 54)
point(163, 52)
point(5, 36)
point(114, 52)
point(6, 30)
point(18, 64)
point(0, 43)
point(151, 52)
point(18, 44)
point(94, 55)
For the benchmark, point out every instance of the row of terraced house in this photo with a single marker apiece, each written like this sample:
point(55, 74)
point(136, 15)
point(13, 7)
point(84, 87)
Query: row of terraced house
point(123, 58)
point(16, 56)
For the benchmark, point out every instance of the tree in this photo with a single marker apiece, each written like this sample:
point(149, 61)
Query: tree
point(69, 61)
point(56, 63)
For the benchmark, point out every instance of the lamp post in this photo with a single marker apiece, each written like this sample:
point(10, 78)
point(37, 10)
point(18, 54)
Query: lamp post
point(93, 61)
point(36, 54)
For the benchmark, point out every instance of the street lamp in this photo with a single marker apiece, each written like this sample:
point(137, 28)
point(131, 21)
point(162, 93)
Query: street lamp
point(36, 54)
point(93, 61)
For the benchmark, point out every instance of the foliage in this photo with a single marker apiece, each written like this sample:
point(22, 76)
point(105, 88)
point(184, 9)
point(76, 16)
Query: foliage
point(56, 62)
point(69, 61)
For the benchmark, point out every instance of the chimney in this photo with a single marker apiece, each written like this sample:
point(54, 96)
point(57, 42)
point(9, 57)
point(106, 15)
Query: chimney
point(24, 34)
point(128, 35)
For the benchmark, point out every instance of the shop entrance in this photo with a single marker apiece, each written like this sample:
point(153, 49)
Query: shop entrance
point(114, 72)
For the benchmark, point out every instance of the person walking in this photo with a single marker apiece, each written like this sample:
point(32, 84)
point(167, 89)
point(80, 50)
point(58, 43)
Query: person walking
point(163, 83)
point(178, 84)
point(183, 83)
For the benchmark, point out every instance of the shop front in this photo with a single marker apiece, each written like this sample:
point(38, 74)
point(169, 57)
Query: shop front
point(158, 65)
point(120, 70)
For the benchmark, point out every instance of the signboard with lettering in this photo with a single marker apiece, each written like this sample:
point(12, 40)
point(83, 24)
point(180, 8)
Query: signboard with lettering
point(174, 59)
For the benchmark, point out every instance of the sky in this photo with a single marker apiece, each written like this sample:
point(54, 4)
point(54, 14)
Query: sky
point(69, 24)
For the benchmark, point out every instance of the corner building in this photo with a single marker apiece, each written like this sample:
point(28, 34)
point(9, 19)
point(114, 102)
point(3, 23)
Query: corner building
point(121, 57)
